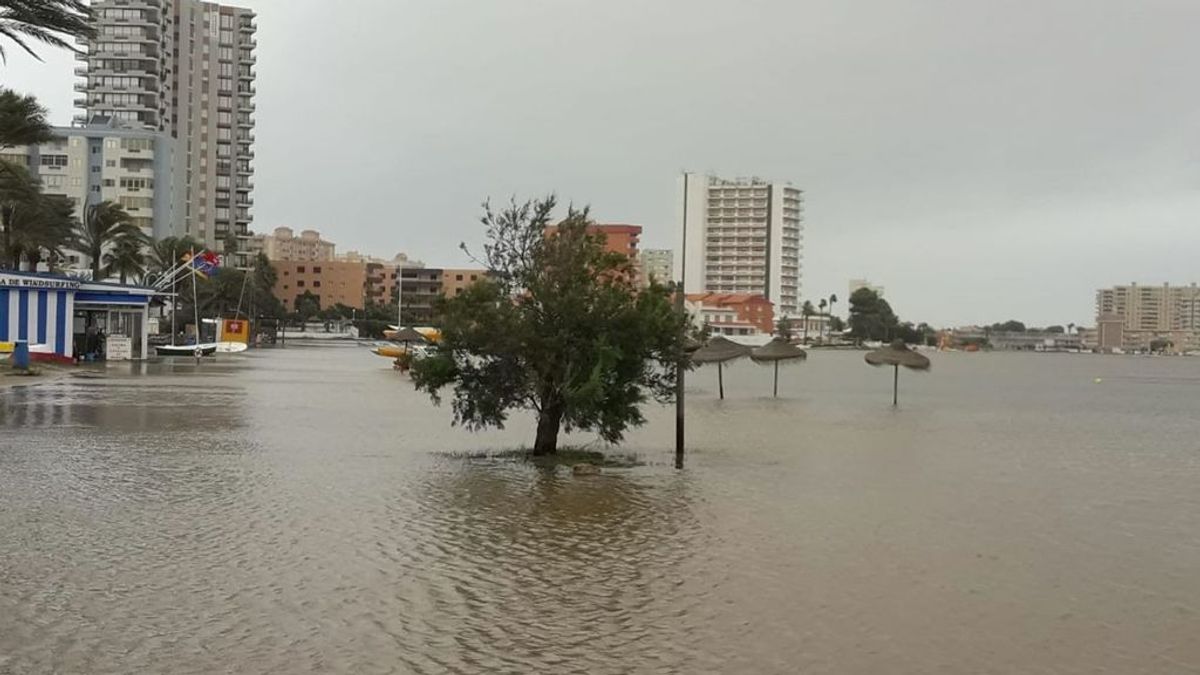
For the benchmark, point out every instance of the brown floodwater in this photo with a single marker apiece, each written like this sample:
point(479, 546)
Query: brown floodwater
point(302, 511)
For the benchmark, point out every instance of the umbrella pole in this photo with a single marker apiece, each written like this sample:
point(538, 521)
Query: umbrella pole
point(775, 393)
point(721, 380)
point(896, 385)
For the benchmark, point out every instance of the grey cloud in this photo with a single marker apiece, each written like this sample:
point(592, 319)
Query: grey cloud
point(983, 160)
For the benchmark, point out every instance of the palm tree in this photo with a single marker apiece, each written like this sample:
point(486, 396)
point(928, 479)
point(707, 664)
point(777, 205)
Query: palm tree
point(42, 233)
point(19, 192)
point(126, 258)
point(22, 120)
point(103, 225)
point(822, 306)
point(807, 310)
point(832, 302)
point(166, 252)
point(51, 21)
point(1070, 328)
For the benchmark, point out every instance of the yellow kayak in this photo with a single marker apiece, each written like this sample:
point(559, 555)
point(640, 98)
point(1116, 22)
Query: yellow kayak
point(388, 351)
point(431, 334)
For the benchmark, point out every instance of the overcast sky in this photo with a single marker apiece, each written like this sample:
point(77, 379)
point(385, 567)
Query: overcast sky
point(983, 160)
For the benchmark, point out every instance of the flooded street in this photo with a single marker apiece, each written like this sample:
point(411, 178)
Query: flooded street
point(302, 511)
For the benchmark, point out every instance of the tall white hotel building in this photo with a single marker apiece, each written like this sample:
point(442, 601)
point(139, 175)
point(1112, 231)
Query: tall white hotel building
point(742, 236)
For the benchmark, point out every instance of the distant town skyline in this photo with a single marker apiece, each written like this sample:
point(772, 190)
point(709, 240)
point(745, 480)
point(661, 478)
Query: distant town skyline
point(983, 162)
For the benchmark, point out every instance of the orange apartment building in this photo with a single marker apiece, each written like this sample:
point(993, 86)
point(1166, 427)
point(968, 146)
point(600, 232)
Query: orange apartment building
point(732, 314)
point(332, 281)
point(455, 281)
point(618, 238)
point(355, 284)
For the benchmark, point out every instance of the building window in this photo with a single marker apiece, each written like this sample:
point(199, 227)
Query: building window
point(317, 270)
point(300, 269)
point(458, 277)
point(135, 143)
point(54, 160)
point(316, 284)
point(300, 284)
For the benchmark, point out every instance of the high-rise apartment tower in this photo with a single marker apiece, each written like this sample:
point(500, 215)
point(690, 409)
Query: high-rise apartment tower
point(185, 68)
point(742, 236)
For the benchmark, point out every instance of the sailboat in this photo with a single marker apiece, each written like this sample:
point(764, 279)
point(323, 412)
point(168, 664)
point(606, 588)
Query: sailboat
point(199, 349)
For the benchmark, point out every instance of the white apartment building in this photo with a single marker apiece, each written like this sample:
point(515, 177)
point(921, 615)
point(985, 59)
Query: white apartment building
point(1132, 317)
point(185, 68)
point(742, 236)
point(656, 264)
point(107, 161)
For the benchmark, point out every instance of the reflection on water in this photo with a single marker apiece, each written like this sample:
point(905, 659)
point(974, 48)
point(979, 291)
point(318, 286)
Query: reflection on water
point(301, 511)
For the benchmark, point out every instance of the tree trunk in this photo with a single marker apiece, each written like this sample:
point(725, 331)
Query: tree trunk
point(549, 422)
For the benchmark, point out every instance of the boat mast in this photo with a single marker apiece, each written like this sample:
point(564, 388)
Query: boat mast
point(195, 304)
point(174, 299)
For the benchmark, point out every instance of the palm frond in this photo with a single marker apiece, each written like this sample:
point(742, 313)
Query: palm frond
point(52, 22)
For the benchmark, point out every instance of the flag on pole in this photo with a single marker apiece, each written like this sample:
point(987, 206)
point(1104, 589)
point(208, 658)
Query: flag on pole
point(204, 263)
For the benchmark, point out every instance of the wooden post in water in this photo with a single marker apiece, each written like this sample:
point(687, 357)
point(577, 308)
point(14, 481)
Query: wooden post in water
point(775, 393)
point(896, 386)
point(681, 367)
point(721, 380)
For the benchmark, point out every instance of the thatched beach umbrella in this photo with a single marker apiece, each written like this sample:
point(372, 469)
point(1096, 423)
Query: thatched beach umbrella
point(407, 335)
point(898, 354)
point(720, 350)
point(778, 350)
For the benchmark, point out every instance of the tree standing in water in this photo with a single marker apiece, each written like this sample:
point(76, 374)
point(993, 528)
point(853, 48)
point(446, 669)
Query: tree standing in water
point(557, 327)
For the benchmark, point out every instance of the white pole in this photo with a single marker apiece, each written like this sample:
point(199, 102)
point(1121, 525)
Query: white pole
point(195, 307)
point(174, 303)
point(400, 295)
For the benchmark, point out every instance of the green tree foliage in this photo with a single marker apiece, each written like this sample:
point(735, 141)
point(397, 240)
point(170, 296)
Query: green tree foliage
point(1056, 330)
point(1010, 326)
point(262, 282)
point(126, 259)
point(231, 293)
point(807, 310)
point(33, 225)
point(167, 252)
point(920, 334)
point(783, 328)
point(104, 225)
point(871, 317)
point(54, 22)
point(557, 328)
point(307, 306)
point(836, 324)
point(23, 121)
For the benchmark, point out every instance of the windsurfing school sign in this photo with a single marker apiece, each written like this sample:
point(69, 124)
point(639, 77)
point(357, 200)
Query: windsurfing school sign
point(38, 282)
